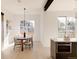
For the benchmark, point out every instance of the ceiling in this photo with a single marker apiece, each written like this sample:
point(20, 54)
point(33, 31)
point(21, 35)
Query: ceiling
point(34, 6)
point(63, 5)
point(16, 6)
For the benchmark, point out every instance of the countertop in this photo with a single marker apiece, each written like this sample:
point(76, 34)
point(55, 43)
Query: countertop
point(65, 40)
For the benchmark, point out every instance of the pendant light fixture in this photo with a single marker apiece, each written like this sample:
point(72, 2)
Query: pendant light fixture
point(24, 17)
point(24, 23)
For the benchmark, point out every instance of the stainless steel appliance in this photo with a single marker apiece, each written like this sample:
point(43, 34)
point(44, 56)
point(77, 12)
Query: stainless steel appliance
point(64, 47)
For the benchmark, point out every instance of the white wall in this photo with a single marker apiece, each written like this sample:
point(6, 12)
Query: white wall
point(42, 27)
point(48, 22)
point(7, 41)
point(35, 18)
point(45, 24)
point(50, 26)
point(14, 22)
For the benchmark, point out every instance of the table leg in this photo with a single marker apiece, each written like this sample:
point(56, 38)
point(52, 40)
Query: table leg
point(22, 45)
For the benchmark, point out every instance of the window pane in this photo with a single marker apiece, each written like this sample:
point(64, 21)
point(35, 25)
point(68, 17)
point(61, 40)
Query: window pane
point(61, 24)
point(66, 25)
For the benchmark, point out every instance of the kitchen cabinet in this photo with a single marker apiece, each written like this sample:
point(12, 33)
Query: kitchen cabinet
point(63, 49)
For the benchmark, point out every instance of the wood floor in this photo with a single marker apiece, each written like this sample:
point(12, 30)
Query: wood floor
point(37, 52)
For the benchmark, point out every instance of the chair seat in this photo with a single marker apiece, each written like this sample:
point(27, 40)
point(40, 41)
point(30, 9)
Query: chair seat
point(17, 43)
point(27, 42)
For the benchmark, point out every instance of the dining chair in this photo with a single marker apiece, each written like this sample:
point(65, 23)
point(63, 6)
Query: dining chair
point(17, 43)
point(29, 42)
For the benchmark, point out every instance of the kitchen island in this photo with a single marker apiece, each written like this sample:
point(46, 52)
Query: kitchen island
point(63, 48)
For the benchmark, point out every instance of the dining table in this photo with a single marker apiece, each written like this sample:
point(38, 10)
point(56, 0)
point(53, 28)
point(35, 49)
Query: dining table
point(22, 40)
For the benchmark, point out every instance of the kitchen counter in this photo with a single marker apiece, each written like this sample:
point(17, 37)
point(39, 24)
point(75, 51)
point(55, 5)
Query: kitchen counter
point(64, 40)
point(56, 43)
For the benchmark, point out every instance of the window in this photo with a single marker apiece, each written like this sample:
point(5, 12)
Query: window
point(27, 26)
point(66, 25)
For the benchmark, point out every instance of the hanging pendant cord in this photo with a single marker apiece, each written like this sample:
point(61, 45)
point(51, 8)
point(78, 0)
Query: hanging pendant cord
point(24, 16)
